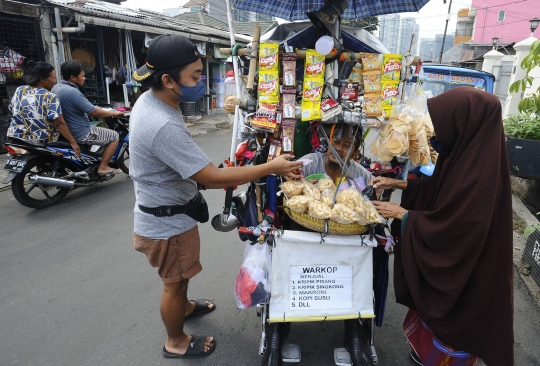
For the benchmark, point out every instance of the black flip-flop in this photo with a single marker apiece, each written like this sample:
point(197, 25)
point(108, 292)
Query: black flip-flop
point(201, 308)
point(195, 349)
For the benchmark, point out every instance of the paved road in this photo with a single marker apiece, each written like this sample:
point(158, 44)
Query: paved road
point(74, 292)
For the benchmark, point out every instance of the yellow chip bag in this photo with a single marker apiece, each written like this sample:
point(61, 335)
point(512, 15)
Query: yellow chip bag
point(268, 57)
point(390, 93)
point(269, 87)
point(391, 70)
point(312, 90)
point(314, 65)
point(310, 110)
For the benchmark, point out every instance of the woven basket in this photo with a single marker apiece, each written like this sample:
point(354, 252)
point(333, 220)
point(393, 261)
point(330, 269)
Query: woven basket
point(317, 225)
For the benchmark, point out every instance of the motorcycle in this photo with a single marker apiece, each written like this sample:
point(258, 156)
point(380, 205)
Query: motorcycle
point(41, 175)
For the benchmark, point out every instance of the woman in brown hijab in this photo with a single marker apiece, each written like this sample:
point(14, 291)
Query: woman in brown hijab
point(453, 264)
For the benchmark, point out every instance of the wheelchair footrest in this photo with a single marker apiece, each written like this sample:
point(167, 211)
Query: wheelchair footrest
point(291, 353)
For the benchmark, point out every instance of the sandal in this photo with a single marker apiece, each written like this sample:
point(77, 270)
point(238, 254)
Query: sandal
point(195, 349)
point(201, 308)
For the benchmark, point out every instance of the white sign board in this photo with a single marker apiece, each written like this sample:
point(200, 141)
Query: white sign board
point(320, 287)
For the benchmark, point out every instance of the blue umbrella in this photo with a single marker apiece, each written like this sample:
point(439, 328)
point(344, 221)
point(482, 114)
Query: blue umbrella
point(297, 9)
point(304, 35)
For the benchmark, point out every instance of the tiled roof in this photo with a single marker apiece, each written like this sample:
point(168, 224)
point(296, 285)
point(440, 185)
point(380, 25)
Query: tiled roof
point(245, 28)
point(105, 10)
point(192, 3)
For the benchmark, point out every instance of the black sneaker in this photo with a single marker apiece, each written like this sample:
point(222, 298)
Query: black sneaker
point(416, 358)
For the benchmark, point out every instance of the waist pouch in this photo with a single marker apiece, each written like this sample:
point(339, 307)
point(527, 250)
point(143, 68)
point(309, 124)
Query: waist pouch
point(196, 208)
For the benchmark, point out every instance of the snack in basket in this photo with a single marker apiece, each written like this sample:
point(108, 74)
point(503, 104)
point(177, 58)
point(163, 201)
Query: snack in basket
point(292, 188)
point(326, 183)
point(350, 198)
point(327, 196)
point(299, 203)
point(344, 215)
point(312, 191)
point(371, 215)
point(319, 210)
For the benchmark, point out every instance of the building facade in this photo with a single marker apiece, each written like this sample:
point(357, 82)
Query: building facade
point(427, 49)
point(407, 28)
point(448, 43)
point(389, 31)
point(487, 19)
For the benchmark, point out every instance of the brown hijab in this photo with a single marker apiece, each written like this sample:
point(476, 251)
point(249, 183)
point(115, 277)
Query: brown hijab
point(454, 262)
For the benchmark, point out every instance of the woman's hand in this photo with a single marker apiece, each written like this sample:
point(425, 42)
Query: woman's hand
point(389, 210)
point(387, 183)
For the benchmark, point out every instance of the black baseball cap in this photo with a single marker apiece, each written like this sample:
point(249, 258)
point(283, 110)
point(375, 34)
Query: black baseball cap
point(166, 52)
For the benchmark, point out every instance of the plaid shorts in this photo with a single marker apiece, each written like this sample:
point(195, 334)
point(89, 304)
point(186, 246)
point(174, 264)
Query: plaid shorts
point(99, 136)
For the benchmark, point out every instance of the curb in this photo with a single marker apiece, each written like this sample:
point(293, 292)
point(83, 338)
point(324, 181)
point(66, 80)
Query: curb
point(523, 212)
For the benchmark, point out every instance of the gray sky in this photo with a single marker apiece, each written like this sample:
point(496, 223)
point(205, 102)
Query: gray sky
point(431, 17)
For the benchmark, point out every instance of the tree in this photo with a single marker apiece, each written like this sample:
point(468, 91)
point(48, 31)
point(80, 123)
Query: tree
point(531, 103)
point(370, 23)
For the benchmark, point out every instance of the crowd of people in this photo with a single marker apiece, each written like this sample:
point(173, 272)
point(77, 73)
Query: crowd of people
point(453, 257)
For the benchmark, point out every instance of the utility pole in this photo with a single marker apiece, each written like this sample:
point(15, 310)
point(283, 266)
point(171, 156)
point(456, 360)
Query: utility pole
point(445, 29)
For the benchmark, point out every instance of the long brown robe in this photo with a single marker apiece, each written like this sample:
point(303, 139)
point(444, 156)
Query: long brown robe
point(454, 261)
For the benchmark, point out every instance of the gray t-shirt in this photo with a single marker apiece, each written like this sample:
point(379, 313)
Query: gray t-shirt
point(317, 167)
point(163, 156)
point(75, 108)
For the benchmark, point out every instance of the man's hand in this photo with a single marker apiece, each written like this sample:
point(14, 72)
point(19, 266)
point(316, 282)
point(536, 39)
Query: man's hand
point(77, 149)
point(387, 183)
point(389, 210)
point(281, 166)
point(118, 114)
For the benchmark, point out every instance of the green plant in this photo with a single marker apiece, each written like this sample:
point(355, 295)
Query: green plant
point(522, 126)
point(530, 104)
point(531, 228)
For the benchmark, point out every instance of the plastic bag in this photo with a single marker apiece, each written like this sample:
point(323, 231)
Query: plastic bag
point(292, 188)
point(344, 215)
point(252, 285)
point(312, 191)
point(299, 203)
point(319, 210)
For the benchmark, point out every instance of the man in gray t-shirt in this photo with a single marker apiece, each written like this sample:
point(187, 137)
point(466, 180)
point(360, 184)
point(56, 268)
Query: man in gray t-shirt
point(327, 163)
point(166, 165)
point(76, 110)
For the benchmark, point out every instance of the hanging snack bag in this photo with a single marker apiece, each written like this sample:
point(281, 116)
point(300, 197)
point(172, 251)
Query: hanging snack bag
point(311, 99)
point(372, 105)
point(269, 87)
point(391, 68)
point(349, 91)
point(265, 117)
point(314, 65)
point(289, 69)
point(390, 93)
point(287, 136)
point(275, 150)
point(356, 74)
point(289, 103)
point(268, 57)
point(371, 62)
point(372, 82)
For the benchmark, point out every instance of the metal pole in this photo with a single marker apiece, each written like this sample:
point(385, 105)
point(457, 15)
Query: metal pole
point(445, 29)
point(232, 156)
point(59, 36)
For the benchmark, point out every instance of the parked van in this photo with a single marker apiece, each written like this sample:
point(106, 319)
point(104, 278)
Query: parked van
point(437, 79)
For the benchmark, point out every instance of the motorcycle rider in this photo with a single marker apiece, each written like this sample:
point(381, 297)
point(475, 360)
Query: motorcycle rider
point(166, 165)
point(76, 109)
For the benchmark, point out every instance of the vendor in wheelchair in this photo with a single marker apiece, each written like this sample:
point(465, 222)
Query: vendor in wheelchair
point(342, 137)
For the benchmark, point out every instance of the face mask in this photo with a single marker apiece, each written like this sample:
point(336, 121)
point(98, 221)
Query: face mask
point(437, 146)
point(192, 93)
